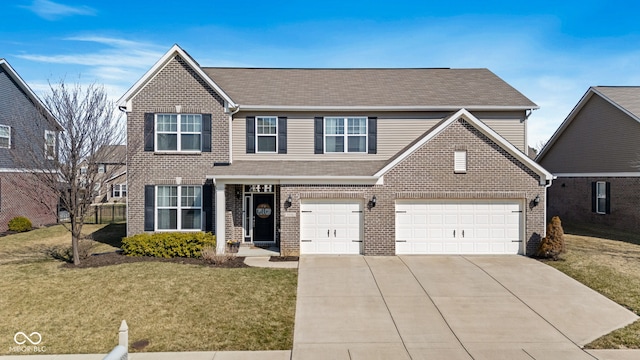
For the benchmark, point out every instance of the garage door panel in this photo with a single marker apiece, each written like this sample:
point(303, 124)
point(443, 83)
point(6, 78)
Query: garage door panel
point(458, 227)
point(330, 227)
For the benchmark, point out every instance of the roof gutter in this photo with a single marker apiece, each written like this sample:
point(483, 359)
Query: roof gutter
point(383, 108)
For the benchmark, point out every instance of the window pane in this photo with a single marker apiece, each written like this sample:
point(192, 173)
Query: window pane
point(602, 203)
point(167, 196)
point(167, 219)
point(334, 126)
point(4, 131)
point(191, 123)
point(190, 142)
point(167, 142)
point(357, 126)
point(266, 125)
point(191, 196)
point(357, 143)
point(602, 189)
point(167, 123)
point(335, 144)
point(266, 144)
point(191, 219)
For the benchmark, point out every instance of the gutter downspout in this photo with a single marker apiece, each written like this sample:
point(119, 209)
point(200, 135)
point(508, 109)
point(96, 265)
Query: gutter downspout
point(231, 132)
point(546, 200)
point(124, 110)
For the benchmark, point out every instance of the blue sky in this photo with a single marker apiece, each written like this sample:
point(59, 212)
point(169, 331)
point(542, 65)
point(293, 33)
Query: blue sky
point(551, 51)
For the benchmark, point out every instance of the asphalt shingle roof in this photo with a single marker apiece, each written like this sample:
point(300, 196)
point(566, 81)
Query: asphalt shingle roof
point(456, 88)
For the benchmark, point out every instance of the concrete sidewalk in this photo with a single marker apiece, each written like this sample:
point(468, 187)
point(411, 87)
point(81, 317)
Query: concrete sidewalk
point(446, 307)
point(199, 355)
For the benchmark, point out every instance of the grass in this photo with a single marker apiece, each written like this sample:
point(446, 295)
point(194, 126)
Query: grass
point(607, 261)
point(176, 307)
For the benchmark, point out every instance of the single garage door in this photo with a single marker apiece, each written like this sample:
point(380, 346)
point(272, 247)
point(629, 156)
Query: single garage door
point(330, 227)
point(458, 227)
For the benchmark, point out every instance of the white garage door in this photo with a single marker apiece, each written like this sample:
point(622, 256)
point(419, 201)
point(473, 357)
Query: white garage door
point(330, 227)
point(458, 227)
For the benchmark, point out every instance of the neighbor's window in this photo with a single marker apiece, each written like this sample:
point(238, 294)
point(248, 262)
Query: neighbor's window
point(601, 197)
point(101, 168)
point(267, 134)
point(460, 161)
point(83, 170)
point(50, 144)
point(178, 132)
point(119, 190)
point(345, 135)
point(179, 207)
point(5, 136)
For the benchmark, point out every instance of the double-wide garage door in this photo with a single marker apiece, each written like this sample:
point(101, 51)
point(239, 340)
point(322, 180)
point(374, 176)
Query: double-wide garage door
point(458, 227)
point(330, 227)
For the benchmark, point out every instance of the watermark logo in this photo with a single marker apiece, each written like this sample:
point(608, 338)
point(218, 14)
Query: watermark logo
point(21, 335)
point(27, 343)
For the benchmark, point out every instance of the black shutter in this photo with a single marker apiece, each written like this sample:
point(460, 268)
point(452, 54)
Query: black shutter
point(206, 132)
point(149, 207)
point(207, 206)
point(594, 196)
point(251, 134)
point(282, 135)
point(318, 131)
point(149, 131)
point(373, 135)
point(607, 207)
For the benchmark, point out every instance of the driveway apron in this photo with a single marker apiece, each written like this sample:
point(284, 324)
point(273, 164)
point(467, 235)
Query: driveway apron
point(445, 307)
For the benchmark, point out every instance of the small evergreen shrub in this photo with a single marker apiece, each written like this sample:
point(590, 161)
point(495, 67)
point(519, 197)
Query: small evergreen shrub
point(20, 224)
point(168, 245)
point(553, 244)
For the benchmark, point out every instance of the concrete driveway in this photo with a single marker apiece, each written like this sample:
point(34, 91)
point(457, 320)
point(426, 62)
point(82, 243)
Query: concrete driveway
point(445, 307)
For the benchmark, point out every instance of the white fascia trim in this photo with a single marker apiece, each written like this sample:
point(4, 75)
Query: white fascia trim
point(598, 174)
point(381, 108)
point(544, 174)
point(27, 89)
point(261, 179)
point(125, 100)
point(10, 170)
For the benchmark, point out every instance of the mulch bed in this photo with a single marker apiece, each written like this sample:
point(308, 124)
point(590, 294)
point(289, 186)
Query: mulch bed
point(115, 258)
point(283, 258)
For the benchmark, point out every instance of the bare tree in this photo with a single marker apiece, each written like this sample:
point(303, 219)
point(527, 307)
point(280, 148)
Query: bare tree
point(69, 165)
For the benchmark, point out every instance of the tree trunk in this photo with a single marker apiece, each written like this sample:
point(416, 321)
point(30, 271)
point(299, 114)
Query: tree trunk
point(75, 241)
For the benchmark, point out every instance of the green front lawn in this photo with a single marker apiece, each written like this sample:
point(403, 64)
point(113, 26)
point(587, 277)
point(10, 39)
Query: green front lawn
point(607, 261)
point(175, 307)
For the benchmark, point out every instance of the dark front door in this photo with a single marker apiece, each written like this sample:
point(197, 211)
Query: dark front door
point(263, 217)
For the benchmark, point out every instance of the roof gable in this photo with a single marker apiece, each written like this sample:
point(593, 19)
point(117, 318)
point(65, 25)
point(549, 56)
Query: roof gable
point(624, 98)
point(125, 100)
point(487, 131)
point(22, 85)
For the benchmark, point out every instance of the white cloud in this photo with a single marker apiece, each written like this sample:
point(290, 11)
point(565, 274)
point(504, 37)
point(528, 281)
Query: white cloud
point(50, 10)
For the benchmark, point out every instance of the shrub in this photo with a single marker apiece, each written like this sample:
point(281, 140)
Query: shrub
point(168, 245)
point(553, 244)
point(210, 255)
point(19, 224)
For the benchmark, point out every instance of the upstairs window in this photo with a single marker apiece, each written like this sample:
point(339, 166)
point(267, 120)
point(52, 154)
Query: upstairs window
point(101, 168)
point(267, 134)
point(5, 136)
point(119, 190)
point(460, 161)
point(50, 138)
point(345, 135)
point(178, 132)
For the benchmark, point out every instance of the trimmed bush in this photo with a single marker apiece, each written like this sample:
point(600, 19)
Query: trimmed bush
point(168, 245)
point(553, 244)
point(20, 224)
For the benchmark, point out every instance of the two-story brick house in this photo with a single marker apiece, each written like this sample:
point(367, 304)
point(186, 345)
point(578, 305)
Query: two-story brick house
point(28, 139)
point(334, 161)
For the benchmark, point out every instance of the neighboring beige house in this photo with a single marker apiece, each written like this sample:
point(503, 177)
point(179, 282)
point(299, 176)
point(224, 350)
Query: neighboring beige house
point(111, 175)
point(334, 161)
point(595, 155)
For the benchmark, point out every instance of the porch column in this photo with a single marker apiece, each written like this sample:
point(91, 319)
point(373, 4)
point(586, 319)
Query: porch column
point(220, 218)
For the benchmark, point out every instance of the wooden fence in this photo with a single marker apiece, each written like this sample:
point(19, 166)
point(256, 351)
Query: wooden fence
point(107, 213)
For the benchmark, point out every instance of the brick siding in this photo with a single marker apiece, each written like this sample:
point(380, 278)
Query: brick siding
point(16, 199)
point(570, 199)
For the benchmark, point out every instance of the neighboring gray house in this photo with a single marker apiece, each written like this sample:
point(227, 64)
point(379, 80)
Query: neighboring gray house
point(28, 139)
point(334, 161)
point(111, 174)
point(595, 155)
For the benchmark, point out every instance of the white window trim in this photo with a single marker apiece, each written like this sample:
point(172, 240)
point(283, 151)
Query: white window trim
point(55, 143)
point(118, 188)
point(266, 135)
point(9, 128)
point(598, 197)
point(460, 161)
point(178, 134)
point(178, 208)
point(345, 134)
